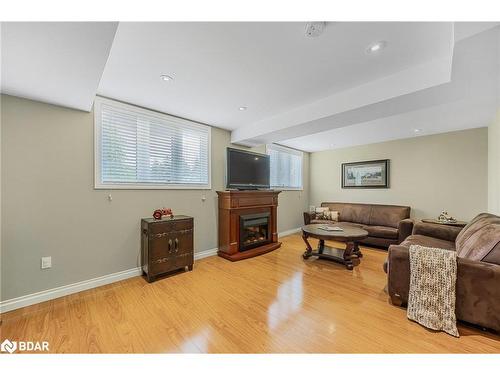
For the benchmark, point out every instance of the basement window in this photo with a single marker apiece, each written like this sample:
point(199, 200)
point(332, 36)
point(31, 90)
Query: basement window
point(137, 148)
point(286, 167)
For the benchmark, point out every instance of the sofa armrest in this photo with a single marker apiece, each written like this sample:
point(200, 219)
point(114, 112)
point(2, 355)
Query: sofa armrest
point(307, 218)
point(443, 232)
point(398, 274)
point(405, 228)
point(478, 293)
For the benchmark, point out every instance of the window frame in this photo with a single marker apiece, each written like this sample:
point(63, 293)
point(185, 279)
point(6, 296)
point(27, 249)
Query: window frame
point(291, 151)
point(99, 185)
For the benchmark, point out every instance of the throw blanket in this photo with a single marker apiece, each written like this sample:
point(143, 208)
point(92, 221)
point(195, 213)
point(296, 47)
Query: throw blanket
point(431, 301)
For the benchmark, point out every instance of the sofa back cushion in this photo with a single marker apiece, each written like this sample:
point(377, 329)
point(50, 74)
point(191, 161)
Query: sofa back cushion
point(370, 214)
point(351, 212)
point(388, 215)
point(480, 239)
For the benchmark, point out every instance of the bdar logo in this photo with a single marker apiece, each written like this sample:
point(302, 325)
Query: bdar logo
point(8, 346)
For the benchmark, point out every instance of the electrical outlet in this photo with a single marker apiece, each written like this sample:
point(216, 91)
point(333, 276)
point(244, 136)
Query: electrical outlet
point(46, 262)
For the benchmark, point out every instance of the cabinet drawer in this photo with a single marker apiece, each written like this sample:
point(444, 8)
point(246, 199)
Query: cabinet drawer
point(166, 227)
point(162, 265)
point(184, 259)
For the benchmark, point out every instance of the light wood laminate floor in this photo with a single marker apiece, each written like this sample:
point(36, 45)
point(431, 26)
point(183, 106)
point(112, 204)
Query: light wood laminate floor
point(277, 302)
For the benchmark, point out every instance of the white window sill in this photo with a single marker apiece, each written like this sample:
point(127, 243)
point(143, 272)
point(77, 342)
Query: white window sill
point(150, 187)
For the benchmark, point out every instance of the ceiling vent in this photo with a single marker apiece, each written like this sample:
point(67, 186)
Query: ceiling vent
point(314, 29)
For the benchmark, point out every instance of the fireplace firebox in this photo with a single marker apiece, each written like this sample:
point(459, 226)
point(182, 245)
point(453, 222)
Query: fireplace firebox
point(254, 230)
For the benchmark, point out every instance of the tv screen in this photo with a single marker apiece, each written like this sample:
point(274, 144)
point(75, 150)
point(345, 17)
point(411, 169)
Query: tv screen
point(247, 170)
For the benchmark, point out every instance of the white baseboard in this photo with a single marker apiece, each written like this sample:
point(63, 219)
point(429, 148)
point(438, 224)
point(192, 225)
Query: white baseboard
point(61, 291)
point(288, 232)
point(205, 253)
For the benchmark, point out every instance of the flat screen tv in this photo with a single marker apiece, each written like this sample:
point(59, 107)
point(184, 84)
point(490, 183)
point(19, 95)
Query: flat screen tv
point(247, 170)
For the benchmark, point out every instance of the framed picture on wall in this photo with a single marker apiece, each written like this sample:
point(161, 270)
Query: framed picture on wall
point(366, 174)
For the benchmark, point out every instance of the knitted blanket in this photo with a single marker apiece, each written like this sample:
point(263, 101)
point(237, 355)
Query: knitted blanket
point(431, 301)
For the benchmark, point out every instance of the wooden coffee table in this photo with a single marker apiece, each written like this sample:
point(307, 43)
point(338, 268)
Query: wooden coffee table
point(350, 235)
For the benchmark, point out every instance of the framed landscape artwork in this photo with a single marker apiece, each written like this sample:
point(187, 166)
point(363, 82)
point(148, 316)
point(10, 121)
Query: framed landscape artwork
point(366, 174)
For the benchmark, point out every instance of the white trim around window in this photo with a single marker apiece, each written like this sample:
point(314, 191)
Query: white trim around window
point(287, 167)
point(155, 150)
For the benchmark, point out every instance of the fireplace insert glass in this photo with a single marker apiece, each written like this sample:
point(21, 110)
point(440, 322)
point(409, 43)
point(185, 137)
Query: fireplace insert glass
point(254, 230)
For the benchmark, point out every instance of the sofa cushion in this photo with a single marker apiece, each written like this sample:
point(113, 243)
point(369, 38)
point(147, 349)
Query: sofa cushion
point(348, 223)
point(351, 212)
point(322, 221)
point(380, 231)
point(388, 216)
point(479, 237)
point(379, 241)
point(370, 214)
point(356, 213)
point(418, 239)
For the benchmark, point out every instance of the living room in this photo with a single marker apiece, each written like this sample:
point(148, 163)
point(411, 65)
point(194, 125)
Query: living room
point(250, 187)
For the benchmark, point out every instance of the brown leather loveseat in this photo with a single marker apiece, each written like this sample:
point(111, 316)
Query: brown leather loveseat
point(478, 267)
point(385, 224)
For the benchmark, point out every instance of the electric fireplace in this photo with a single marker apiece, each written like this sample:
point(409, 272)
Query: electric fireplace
point(247, 223)
point(254, 230)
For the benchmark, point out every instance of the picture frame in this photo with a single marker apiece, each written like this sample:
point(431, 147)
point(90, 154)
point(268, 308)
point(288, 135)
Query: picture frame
point(371, 174)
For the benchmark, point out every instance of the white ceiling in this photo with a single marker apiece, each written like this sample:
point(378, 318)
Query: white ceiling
point(55, 62)
point(469, 100)
point(308, 93)
point(268, 67)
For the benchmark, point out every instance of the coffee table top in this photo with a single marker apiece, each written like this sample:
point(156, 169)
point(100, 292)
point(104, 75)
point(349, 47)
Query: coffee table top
point(348, 233)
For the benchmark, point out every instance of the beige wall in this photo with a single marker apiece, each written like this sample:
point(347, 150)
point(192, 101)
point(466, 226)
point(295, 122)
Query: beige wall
point(494, 166)
point(429, 173)
point(49, 206)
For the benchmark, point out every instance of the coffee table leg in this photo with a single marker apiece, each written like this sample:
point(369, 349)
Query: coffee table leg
point(321, 246)
point(308, 251)
point(357, 251)
point(349, 247)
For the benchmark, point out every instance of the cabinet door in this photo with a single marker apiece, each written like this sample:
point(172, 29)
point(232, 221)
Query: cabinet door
point(161, 247)
point(183, 247)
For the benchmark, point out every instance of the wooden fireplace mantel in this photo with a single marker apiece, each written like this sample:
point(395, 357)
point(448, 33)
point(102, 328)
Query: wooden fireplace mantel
point(233, 204)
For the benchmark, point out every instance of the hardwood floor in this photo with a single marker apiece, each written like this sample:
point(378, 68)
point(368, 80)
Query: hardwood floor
point(273, 303)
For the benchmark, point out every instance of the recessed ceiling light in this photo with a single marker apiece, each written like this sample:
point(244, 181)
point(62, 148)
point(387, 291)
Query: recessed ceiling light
point(165, 77)
point(376, 47)
point(417, 130)
point(314, 29)
point(242, 108)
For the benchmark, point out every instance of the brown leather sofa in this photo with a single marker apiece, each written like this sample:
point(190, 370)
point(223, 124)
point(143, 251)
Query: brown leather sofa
point(386, 224)
point(478, 274)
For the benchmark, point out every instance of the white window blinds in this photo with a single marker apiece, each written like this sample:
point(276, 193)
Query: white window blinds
point(286, 167)
point(137, 148)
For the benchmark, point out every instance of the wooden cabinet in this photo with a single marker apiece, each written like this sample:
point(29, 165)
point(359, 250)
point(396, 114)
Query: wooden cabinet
point(166, 245)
